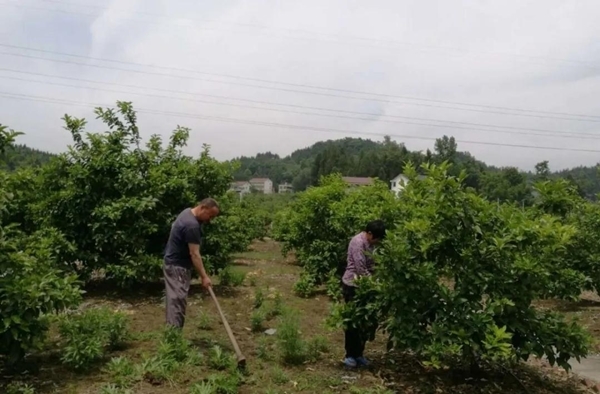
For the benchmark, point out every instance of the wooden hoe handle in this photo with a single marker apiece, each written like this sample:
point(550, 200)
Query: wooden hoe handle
point(241, 360)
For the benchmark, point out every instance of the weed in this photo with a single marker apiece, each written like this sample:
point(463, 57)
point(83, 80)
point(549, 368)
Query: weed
point(276, 308)
point(225, 384)
point(88, 335)
point(291, 345)
point(203, 388)
point(173, 345)
point(279, 376)
point(231, 278)
point(257, 319)
point(317, 346)
point(252, 281)
point(157, 370)
point(277, 304)
point(259, 298)
point(204, 321)
point(305, 287)
point(122, 372)
point(220, 360)
point(377, 390)
point(19, 388)
point(262, 350)
point(114, 389)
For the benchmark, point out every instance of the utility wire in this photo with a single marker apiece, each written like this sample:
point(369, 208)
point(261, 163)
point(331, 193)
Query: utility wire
point(565, 134)
point(288, 126)
point(479, 125)
point(366, 41)
point(300, 91)
point(298, 85)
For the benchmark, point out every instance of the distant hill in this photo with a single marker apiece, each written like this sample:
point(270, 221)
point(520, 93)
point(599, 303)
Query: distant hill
point(20, 156)
point(350, 157)
point(363, 158)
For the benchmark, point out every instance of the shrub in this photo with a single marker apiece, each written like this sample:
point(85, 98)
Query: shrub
point(30, 289)
point(306, 286)
point(114, 199)
point(560, 199)
point(321, 221)
point(231, 278)
point(498, 259)
point(90, 334)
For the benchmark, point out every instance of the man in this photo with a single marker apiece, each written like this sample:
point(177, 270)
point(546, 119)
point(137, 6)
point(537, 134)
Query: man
point(181, 254)
point(359, 264)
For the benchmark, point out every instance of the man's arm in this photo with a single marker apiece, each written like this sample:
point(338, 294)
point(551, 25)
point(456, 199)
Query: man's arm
point(198, 264)
point(193, 237)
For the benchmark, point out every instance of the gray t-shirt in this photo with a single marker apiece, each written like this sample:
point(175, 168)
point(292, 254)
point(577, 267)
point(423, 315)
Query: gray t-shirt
point(186, 229)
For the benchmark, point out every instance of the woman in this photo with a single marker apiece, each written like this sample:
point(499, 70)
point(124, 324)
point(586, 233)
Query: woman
point(359, 264)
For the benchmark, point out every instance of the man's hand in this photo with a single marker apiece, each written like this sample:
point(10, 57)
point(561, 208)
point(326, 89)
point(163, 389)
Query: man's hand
point(206, 282)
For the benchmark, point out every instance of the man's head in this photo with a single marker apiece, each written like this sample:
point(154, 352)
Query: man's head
point(375, 231)
point(206, 210)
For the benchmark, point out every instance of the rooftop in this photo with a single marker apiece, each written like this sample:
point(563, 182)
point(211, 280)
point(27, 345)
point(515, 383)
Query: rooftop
point(358, 181)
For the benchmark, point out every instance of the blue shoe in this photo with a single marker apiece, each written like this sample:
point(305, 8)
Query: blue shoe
point(350, 362)
point(363, 362)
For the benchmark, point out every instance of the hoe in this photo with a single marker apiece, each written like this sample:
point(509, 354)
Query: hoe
point(241, 360)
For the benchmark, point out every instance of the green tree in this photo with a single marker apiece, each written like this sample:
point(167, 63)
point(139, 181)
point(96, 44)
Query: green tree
point(31, 287)
point(457, 276)
point(115, 199)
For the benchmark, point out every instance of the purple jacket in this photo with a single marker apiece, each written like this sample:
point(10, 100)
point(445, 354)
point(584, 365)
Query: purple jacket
point(359, 263)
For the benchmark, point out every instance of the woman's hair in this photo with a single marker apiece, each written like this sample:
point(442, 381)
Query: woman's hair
point(376, 228)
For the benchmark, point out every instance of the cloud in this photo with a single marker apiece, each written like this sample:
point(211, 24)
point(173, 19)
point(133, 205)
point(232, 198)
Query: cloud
point(541, 55)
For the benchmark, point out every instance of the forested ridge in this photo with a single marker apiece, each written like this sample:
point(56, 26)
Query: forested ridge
point(366, 158)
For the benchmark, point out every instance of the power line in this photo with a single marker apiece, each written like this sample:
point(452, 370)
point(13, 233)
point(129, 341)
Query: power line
point(565, 134)
point(298, 85)
point(479, 125)
point(387, 42)
point(287, 126)
point(300, 91)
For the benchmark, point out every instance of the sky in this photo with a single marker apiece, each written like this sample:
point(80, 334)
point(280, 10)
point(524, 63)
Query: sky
point(505, 78)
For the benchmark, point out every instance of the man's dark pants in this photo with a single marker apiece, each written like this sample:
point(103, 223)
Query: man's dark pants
point(354, 340)
point(177, 284)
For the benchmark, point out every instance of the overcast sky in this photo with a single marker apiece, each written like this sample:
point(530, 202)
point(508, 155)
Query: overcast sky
point(531, 67)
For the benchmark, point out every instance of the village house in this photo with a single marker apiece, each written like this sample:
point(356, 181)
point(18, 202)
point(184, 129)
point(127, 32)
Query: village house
point(262, 185)
point(398, 183)
point(285, 188)
point(357, 181)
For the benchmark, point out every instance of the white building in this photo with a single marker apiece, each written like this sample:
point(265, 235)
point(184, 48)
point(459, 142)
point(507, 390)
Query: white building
point(241, 187)
point(285, 188)
point(399, 182)
point(262, 185)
